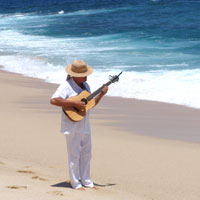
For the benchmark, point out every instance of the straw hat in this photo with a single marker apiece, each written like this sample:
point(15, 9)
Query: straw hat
point(79, 69)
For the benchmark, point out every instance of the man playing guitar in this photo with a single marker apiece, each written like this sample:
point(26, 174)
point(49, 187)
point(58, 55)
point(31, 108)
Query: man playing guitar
point(73, 96)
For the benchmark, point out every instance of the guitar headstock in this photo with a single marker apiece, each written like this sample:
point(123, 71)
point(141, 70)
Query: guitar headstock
point(115, 78)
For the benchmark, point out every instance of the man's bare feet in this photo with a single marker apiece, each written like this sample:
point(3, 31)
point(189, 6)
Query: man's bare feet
point(94, 188)
point(81, 188)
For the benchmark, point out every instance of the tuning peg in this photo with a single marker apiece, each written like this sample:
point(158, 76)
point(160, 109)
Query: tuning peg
point(110, 77)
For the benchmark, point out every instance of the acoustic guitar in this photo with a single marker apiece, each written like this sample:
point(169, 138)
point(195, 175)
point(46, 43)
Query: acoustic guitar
point(75, 114)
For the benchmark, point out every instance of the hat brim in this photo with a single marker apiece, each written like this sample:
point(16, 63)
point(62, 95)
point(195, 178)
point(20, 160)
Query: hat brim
point(74, 74)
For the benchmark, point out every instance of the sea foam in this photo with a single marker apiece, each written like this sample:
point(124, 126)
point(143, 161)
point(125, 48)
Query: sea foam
point(179, 87)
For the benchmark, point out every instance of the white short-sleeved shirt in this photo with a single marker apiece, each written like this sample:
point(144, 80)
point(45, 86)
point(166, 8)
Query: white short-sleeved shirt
point(68, 89)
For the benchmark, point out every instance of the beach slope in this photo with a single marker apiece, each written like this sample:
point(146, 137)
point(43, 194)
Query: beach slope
point(141, 150)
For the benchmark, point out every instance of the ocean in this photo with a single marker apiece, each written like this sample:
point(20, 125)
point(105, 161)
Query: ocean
point(156, 43)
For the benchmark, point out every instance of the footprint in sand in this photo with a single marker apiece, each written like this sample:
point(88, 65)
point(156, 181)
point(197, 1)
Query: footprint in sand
point(16, 187)
point(31, 172)
point(39, 178)
point(1, 163)
point(58, 193)
point(25, 171)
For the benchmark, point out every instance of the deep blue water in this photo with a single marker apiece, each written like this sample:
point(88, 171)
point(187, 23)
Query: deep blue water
point(155, 42)
point(169, 20)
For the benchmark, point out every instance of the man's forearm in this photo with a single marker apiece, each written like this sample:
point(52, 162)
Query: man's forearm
point(98, 98)
point(62, 102)
point(67, 104)
point(103, 92)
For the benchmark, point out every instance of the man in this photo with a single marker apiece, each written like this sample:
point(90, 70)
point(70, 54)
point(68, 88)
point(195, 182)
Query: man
point(78, 134)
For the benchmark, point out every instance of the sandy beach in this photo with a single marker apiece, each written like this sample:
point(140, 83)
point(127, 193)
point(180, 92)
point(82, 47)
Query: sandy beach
point(142, 150)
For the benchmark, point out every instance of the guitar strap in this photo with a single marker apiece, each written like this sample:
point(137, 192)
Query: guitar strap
point(85, 87)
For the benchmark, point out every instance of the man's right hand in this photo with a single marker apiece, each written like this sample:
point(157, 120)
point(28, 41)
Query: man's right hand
point(79, 105)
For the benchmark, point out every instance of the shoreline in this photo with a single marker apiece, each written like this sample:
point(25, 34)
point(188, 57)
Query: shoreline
point(150, 127)
point(131, 98)
point(126, 164)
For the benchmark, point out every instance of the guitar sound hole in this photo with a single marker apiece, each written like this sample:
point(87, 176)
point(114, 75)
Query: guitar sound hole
point(84, 100)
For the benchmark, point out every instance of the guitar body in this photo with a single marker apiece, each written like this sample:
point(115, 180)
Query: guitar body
point(76, 115)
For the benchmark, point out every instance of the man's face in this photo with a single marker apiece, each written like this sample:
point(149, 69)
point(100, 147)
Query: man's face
point(80, 79)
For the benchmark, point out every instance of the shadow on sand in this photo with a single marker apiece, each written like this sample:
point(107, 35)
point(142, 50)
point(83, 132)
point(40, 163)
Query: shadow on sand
point(66, 184)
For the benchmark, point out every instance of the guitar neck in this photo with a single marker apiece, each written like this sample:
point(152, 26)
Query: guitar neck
point(98, 91)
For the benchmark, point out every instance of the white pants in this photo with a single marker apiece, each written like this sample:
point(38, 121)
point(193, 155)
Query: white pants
point(79, 156)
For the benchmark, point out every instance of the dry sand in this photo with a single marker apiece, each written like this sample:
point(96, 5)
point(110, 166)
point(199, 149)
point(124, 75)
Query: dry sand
point(131, 159)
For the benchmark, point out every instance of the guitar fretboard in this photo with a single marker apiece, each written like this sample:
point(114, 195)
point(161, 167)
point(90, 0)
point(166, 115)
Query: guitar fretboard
point(98, 91)
point(112, 80)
